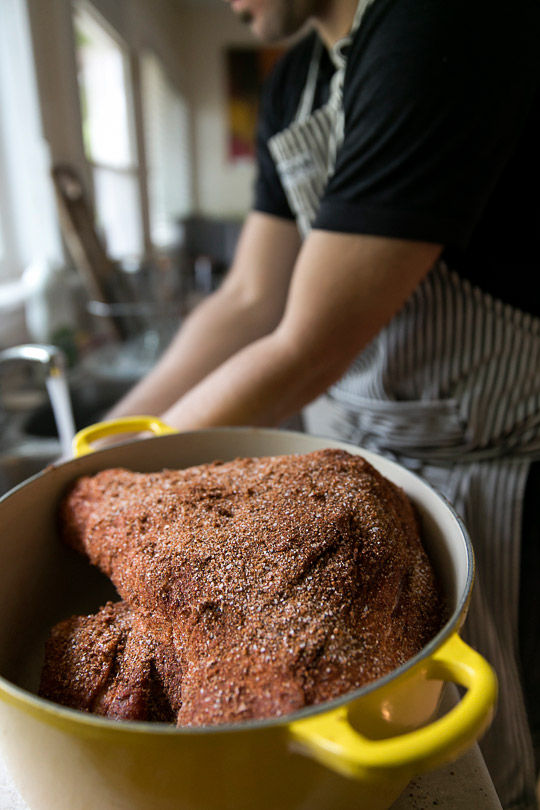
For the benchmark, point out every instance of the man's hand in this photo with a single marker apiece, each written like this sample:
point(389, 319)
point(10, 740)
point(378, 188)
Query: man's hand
point(344, 289)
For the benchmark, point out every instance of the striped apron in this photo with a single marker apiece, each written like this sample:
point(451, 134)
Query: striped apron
point(450, 389)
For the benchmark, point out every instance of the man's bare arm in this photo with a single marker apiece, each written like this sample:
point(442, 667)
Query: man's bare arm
point(344, 289)
point(248, 305)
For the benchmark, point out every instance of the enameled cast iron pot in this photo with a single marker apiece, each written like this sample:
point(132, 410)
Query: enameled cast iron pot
point(354, 753)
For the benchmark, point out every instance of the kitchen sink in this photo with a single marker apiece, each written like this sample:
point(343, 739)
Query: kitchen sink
point(29, 439)
point(25, 459)
point(89, 404)
point(33, 374)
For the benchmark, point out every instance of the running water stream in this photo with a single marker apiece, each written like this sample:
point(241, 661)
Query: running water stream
point(60, 399)
point(54, 362)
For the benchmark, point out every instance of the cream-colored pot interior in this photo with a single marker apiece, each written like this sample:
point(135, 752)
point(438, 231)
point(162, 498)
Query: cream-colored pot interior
point(328, 757)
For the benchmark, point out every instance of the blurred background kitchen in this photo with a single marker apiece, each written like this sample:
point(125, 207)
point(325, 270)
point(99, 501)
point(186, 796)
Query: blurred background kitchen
point(126, 169)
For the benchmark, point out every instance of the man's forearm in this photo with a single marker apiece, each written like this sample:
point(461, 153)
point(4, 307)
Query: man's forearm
point(345, 288)
point(262, 384)
point(218, 328)
point(247, 306)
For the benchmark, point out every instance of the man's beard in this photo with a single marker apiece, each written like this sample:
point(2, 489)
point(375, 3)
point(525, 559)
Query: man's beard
point(283, 19)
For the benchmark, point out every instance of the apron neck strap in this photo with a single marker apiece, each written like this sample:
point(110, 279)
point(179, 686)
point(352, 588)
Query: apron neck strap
point(308, 93)
point(337, 55)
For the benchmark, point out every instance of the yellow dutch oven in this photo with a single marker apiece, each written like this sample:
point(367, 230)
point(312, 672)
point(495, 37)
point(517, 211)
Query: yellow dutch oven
point(355, 753)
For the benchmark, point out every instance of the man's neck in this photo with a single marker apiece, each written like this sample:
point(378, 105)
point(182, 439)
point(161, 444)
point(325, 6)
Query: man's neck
point(335, 21)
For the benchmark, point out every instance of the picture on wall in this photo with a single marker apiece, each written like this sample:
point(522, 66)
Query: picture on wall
point(246, 70)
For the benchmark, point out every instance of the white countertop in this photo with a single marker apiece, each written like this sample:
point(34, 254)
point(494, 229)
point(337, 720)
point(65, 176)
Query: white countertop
point(463, 785)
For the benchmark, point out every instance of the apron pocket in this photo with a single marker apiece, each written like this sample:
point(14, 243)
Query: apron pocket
point(420, 429)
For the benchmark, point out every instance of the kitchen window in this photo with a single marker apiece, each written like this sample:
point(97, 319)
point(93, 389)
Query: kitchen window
point(28, 221)
point(105, 90)
point(166, 137)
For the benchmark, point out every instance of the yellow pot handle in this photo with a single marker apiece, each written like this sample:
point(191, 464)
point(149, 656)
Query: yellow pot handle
point(331, 739)
point(82, 442)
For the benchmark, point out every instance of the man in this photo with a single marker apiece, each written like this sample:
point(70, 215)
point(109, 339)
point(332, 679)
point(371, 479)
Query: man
point(390, 259)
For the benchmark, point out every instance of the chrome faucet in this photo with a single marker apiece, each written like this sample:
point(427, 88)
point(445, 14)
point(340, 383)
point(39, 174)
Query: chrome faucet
point(49, 356)
point(54, 361)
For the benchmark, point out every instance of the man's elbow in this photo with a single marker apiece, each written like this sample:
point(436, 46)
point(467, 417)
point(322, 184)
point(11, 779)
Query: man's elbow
point(313, 362)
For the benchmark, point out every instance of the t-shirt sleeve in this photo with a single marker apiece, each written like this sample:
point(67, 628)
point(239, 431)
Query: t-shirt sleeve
point(436, 96)
point(269, 196)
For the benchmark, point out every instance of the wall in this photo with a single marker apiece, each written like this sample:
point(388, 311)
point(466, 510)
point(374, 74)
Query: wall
point(222, 189)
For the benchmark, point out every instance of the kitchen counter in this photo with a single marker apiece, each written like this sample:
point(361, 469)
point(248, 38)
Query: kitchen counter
point(463, 785)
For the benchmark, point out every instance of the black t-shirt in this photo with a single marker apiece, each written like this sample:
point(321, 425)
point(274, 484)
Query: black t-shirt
point(442, 135)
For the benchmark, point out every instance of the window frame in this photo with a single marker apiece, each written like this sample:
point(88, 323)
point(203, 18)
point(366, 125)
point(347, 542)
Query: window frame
point(136, 169)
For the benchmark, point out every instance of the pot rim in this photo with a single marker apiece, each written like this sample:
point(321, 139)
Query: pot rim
point(36, 705)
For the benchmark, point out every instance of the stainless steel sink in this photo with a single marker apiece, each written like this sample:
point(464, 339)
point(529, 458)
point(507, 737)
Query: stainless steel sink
point(89, 401)
point(25, 459)
point(28, 436)
point(30, 374)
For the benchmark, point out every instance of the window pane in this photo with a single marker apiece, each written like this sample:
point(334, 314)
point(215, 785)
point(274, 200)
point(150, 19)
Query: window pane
point(28, 217)
point(109, 139)
point(2, 249)
point(118, 207)
point(103, 88)
point(166, 131)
